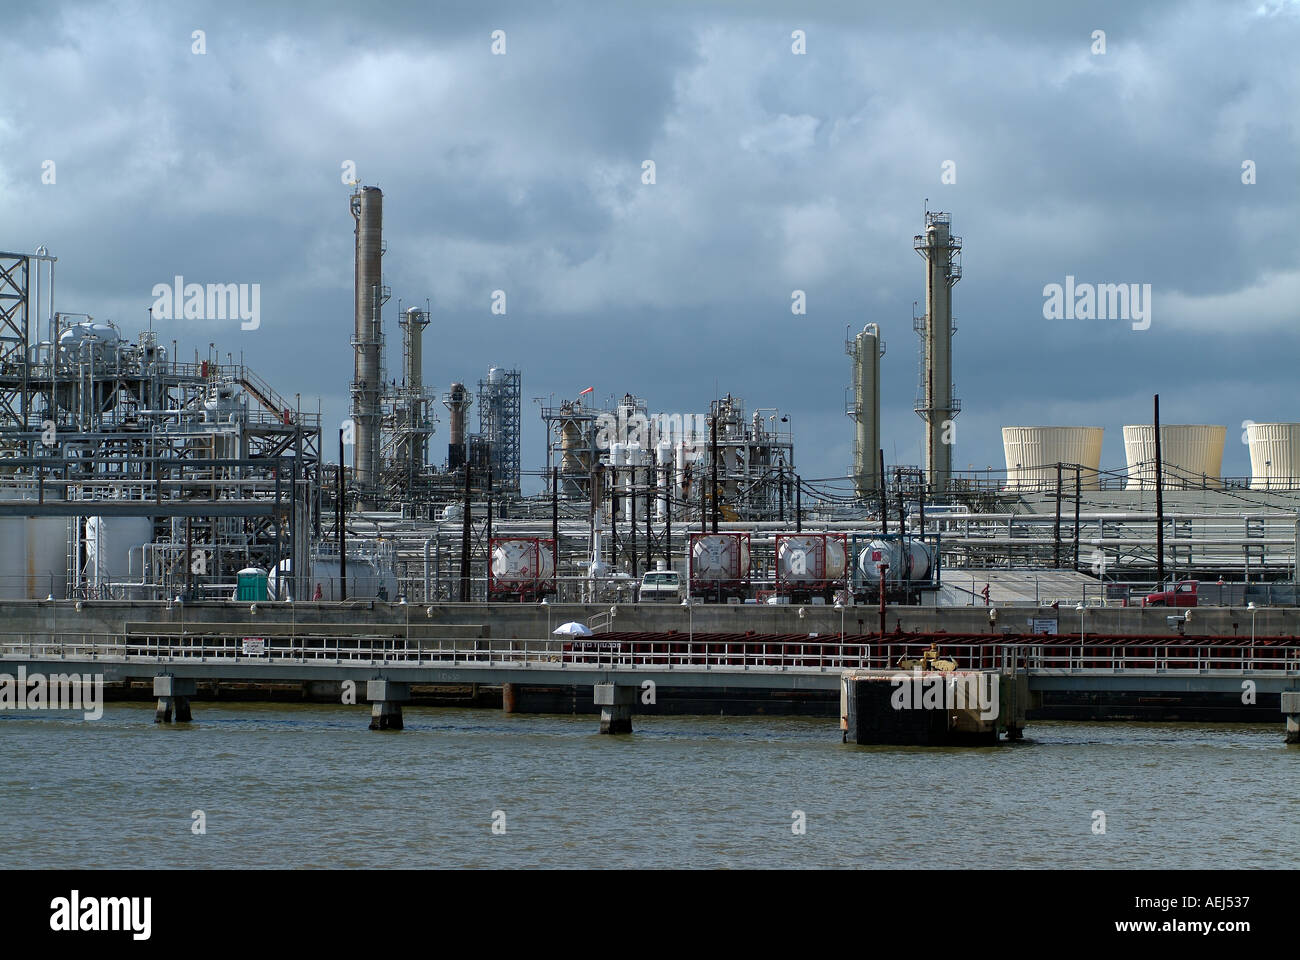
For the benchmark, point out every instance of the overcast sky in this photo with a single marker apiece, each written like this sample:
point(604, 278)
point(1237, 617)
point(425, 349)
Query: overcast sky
point(774, 172)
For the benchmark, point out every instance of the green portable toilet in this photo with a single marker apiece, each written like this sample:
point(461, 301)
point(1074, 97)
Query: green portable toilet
point(251, 584)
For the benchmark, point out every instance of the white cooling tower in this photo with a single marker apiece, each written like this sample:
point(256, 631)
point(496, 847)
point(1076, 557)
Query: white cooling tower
point(1033, 452)
point(1192, 455)
point(1274, 455)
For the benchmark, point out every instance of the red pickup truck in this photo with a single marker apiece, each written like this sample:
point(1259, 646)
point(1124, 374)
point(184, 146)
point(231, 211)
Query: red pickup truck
point(1180, 594)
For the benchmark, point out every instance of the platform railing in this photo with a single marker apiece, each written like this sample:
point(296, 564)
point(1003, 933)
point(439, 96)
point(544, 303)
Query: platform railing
point(680, 653)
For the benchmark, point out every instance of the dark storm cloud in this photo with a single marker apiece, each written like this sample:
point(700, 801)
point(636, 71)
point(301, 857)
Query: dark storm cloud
point(775, 172)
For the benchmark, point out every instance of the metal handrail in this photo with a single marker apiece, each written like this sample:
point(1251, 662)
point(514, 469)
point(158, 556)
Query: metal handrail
point(702, 654)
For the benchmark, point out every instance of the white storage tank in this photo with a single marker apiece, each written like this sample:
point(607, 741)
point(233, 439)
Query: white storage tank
point(1274, 455)
point(1032, 454)
point(1192, 455)
point(371, 576)
point(114, 551)
point(33, 553)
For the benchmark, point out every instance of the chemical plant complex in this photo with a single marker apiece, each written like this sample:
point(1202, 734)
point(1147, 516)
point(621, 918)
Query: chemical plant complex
point(141, 470)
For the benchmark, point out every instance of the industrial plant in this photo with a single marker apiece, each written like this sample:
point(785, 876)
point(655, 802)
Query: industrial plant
point(137, 469)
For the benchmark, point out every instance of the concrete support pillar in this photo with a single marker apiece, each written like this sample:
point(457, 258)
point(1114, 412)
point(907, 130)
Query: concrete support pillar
point(1291, 710)
point(615, 704)
point(386, 698)
point(1013, 695)
point(173, 695)
point(509, 693)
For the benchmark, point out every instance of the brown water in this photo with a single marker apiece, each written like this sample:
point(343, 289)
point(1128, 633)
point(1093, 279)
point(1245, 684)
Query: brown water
point(310, 786)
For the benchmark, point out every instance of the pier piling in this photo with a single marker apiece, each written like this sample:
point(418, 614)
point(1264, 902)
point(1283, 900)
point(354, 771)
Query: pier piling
point(615, 704)
point(173, 695)
point(1291, 710)
point(386, 698)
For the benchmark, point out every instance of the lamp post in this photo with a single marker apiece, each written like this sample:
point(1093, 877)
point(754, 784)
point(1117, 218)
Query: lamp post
point(1253, 609)
point(840, 607)
point(546, 603)
point(1081, 608)
point(690, 627)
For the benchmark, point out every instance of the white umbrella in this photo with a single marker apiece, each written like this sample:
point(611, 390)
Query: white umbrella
point(572, 629)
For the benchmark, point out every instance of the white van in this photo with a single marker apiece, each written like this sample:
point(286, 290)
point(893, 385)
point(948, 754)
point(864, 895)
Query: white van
point(661, 585)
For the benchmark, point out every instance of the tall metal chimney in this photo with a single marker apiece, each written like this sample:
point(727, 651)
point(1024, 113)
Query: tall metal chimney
point(866, 349)
point(367, 206)
point(936, 404)
point(457, 400)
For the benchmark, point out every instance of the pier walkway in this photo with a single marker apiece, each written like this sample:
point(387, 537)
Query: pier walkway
point(395, 662)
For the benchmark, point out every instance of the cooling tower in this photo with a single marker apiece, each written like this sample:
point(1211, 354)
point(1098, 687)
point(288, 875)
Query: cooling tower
point(1274, 455)
point(1033, 452)
point(1192, 455)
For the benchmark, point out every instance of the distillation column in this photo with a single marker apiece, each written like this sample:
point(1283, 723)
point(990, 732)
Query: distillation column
point(936, 405)
point(866, 349)
point(367, 206)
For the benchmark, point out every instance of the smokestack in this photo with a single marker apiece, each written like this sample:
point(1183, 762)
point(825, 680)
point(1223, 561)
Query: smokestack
point(937, 406)
point(367, 206)
point(457, 400)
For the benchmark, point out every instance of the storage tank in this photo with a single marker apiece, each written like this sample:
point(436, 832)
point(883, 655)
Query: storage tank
point(89, 341)
point(82, 347)
point(810, 559)
point(1192, 455)
point(522, 567)
point(33, 553)
point(371, 574)
point(113, 551)
point(908, 560)
point(1274, 455)
point(1032, 454)
point(719, 561)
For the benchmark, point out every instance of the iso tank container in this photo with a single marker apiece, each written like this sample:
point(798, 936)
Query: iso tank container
point(719, 563)
point(909, 560)
point(521, 567)
point(810, 561)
